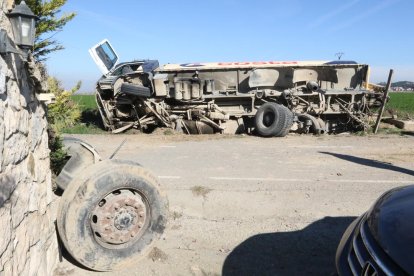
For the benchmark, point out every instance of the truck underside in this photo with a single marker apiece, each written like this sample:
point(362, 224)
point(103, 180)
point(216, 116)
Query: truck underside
point(267, 98)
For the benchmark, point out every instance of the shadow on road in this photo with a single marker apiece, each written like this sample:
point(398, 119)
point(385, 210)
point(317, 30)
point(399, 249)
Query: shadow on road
point(370, 163)
point(310, 251)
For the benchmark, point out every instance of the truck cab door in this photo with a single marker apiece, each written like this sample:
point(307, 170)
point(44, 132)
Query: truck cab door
point(104, 56)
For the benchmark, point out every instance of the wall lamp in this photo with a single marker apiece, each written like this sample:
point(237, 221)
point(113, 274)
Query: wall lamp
point(22, 20)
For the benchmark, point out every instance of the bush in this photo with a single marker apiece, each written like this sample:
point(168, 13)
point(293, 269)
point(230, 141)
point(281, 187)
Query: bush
point(64, 112)
point(61, 114)
point(58, 156)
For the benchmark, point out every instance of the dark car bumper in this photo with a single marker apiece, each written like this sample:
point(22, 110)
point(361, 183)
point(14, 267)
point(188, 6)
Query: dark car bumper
point(342, 252)
point(359, 253)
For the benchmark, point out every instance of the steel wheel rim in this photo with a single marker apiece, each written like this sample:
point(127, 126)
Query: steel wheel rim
point(120, 218)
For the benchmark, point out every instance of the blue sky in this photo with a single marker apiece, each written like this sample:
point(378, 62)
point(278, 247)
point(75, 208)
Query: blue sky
point(376, 32)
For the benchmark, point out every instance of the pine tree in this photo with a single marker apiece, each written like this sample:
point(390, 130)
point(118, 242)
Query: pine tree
point(48, 25)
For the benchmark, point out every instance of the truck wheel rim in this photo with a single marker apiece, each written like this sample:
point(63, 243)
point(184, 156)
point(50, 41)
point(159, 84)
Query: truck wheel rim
point(120, 218)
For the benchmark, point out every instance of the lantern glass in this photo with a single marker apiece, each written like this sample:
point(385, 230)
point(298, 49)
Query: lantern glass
point(27, 27)
point(23, 31)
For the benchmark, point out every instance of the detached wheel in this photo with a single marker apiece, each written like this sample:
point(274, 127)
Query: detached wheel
point(273, 119)
point(81, 154)
point(112, 215)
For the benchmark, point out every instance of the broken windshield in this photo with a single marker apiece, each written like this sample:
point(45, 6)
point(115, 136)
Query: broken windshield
point(104, 56)
point(107, 55)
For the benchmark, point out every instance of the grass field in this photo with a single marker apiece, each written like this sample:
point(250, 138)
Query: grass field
point(85, 101)
point(400, 104)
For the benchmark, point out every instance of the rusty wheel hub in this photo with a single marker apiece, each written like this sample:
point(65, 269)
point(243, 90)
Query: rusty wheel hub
point(119, 217)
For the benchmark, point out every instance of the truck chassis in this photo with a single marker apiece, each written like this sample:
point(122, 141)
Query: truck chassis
point(266, 98)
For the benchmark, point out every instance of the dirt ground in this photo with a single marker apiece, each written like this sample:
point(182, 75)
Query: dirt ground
point(245, 205)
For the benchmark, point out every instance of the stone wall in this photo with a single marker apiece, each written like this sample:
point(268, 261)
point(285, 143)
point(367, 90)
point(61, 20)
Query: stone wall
point(28, 242)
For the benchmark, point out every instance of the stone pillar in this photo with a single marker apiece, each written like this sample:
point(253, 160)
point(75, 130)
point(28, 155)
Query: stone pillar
point(28, 241)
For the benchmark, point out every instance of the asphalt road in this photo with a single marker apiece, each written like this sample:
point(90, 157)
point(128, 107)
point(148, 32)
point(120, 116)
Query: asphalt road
point(253, 206)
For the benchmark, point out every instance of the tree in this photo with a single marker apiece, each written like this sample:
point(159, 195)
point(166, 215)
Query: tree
point(48, 25)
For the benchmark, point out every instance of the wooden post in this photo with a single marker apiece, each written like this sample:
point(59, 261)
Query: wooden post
point(384, 100)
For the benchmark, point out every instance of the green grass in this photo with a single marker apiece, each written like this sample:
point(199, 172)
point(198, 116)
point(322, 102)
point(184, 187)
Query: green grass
point(391, 130)
point(401, 104)
point(90, 122)
point(85, 101)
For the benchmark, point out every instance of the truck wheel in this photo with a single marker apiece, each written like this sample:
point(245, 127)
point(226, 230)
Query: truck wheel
point(111, 215)
point(273, 119)
point(288, 122)
point(81, 156)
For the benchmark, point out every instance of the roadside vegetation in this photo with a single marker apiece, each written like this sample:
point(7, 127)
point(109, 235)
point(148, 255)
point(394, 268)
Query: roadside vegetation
point(63, 113)
point(90, 120)
point(401, 105)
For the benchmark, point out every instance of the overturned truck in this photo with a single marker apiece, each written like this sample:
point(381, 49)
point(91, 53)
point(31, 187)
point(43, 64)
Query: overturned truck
point(267, 98)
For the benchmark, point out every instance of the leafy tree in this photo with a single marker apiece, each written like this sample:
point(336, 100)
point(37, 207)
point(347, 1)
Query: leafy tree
point(48, 25)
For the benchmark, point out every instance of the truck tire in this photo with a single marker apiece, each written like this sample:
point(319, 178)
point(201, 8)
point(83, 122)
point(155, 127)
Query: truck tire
point(81, 155)
point(135, 90)
point(273, 119)
point(112, 215)
point(289, 116)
